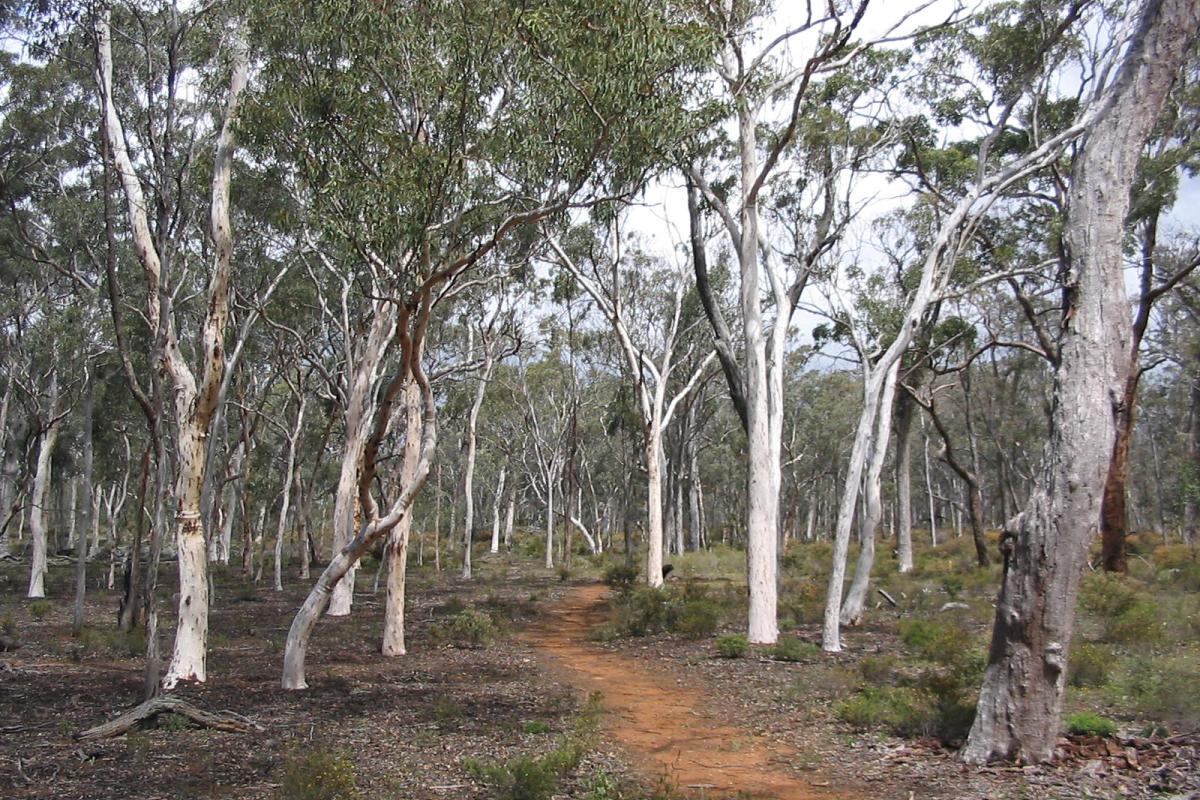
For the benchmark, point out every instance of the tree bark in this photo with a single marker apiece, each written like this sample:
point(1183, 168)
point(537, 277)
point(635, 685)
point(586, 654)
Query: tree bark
point(469, 468)
point(496, 511)
point(1045, 546)
point(397, 550)
point(375, 526)
point(905, 412)
point(82, 544)
point(41, 491)
point(288, 479)
point(860, 585)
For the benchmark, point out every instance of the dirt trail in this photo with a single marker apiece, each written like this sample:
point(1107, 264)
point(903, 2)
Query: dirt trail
point(661, 720)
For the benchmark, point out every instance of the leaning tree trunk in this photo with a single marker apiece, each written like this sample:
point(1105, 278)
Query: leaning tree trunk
point(40, 494)
point(1045, 546)
point(359, 409)
point(856, 596)
point(319, 597)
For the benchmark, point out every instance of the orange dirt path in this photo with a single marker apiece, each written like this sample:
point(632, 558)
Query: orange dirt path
point(662, 721)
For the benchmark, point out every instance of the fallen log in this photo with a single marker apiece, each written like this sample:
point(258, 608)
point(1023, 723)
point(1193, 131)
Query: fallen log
point(165, 704)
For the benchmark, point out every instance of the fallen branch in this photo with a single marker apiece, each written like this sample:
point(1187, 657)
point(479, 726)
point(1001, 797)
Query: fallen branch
point(221, 720)
point(891, 600)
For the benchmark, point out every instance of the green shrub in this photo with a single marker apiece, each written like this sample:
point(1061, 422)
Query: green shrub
point(606, 632)
point(620, 576)
point(38, 609)
point(520, 778)
point(645, 610)
point(792, 648)
point(878, 669)
point(1140, 623)
point(1106, 595)
point(318, 775)
point(732, 645)
point(1174, 556)
point(536, 726)
point(537, 778)
point(469, 628)
point(1085, 723)
point(901, 710)
point(1166, 688)
point(938, 642)
point(696, 618)
point(1088, 666)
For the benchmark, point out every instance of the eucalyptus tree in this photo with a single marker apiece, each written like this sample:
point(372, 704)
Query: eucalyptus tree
point(1173, 148)
point(421, 139)
point(796, 143)
point(650, 357)
point(156, 245)
point(1008, 99)
point(1045, 546)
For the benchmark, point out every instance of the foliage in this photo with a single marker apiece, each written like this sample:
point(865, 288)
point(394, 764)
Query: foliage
point(1086, 723)
point(38, 609)
point(529, 777)
point(1088, 666)
point(793, 648)
point(732, 645)
point(620, 576)
point(902, 710)
point(318, 774)
point(467, 628)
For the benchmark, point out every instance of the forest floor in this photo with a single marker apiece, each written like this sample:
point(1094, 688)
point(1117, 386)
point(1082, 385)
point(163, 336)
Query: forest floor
point(492, 701)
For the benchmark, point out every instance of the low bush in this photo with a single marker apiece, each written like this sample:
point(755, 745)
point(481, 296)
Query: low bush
point(732, 645)
point(1088, 666)
point(901, 710)
point(468, 628)
point(1086, 723)
point(644, 611)
point(877, 670)
point(1140, 623)
point(620, 576)
point(696, 618)
point(318, 775)
point(38, 609)
point(1106, 595)
point(792, 648)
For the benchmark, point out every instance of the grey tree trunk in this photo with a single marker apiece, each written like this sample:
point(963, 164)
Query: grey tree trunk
point(905, 412)
point(81, 543)
point(1045, 546)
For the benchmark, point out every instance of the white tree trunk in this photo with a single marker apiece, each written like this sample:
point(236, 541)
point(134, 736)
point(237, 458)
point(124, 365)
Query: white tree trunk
point(285, 503)
point(508, 518)
point(469, 469)
point(1045, 546)
point(856, 597)
point(496, 512)
point(40, 494)
point(318, 598)
point(397, 549)
point(359, 409)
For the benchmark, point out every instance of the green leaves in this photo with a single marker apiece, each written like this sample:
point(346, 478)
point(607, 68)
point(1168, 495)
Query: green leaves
point(414, 125)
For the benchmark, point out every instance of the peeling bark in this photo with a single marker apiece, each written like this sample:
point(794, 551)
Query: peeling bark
point(1045, 546)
